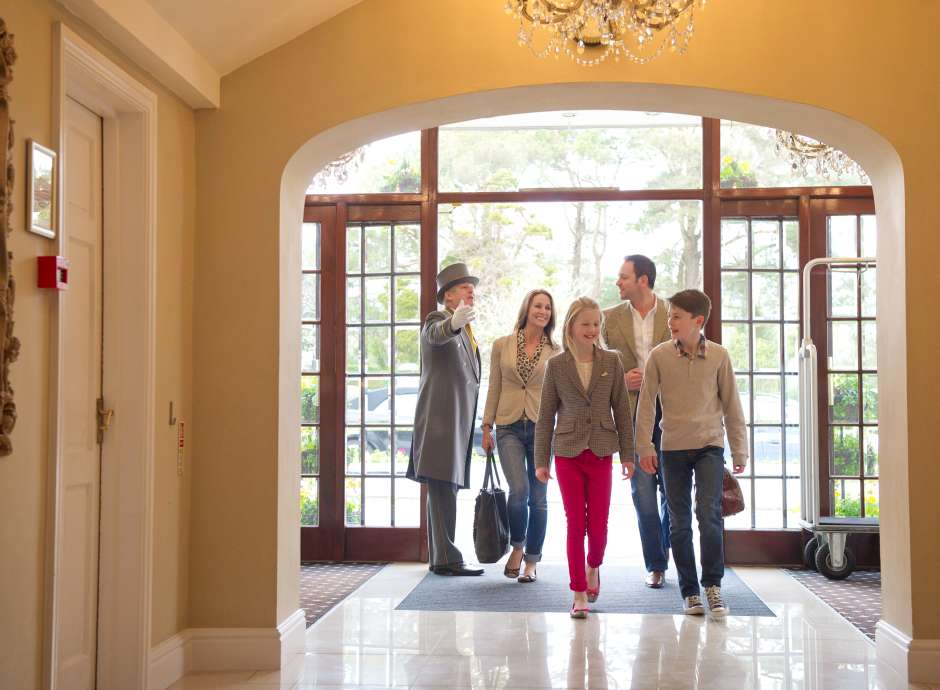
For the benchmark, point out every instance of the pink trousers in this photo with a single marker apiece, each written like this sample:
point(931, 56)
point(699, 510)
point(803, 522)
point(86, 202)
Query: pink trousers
point(585, 483)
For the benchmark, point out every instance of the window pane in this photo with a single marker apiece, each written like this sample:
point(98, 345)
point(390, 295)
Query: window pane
point(768, 503)
point(406, 399)
point(354, 249)
point(791, 296)
point(407, 353)
point(765, 244)
point(407, 298)
point(309, 450)
point(791, 342)
point(378, 300)
point(792, 437)
point(869, 228)
point(843, 295)
point(767, 400)
point(309, 348)
point(310, 297)
point(402, 450)
point(378, 451)
point(353, 502)
point(842, 236)
point(353, 350)
point(407, 504)
point(407, 248)
point(871, 499)
point(768, 451)
point(353, 451)
point(735, 337)
point(870, 398)
point(353, 300)
point(378, 248)
point(378, 410)
point(378, 344)
point(846, 498)
point(734, 302)
point(791, 244)
point(868, 278)
point(744, 392)
point(378, 500)
point(309, 502)
point(871, 451)
point(629, 150)
point(743, 519)
point(733, 243)
point(310, 399)
point(767, 347)
point(310, 246)
point(386, 165)
point(845, 455)
point(766, 295)
point(353, 399)
point(794, 503)
point(792, 410)
point(749, 158)
point(843, 345)
point(843, 398)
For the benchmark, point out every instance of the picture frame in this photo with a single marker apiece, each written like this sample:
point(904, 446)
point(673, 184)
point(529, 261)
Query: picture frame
point(41, 189)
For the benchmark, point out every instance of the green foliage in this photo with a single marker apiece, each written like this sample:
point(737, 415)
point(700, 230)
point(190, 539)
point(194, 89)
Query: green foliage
point(404, 178)
point(736, 173)
point(309, 510)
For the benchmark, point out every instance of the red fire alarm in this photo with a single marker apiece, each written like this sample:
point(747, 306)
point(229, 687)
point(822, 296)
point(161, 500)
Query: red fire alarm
point(52, 272)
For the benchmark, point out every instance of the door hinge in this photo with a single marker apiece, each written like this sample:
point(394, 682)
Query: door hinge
point(104, 419)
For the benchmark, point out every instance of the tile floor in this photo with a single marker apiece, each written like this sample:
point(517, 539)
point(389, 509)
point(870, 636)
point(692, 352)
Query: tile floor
point(365, 642)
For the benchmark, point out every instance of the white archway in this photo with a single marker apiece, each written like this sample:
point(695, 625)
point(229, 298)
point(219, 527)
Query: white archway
point(867, 147)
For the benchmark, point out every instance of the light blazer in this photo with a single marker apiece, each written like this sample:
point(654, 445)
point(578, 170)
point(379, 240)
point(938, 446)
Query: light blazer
point(584, 416)
point(508, 396)
point(447, 403)
point(618, 334)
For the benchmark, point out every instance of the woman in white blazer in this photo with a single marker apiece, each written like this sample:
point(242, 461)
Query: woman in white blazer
point(517, 368)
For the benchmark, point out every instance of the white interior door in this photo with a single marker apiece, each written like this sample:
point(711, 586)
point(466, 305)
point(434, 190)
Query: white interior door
point(76, 615)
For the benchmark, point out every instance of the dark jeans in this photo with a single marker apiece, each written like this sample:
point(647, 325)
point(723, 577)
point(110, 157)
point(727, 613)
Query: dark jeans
point(527, 501)
point(652, 515)
point(707, 466)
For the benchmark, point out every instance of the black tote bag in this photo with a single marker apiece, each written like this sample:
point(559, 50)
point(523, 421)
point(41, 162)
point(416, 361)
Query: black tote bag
point(490, 517)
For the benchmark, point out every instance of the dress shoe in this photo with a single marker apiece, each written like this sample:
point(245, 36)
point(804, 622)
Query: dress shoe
point(456, 569)
point(655, 579)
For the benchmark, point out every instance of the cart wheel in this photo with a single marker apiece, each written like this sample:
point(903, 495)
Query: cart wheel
point(809, 553)
point(824, 563)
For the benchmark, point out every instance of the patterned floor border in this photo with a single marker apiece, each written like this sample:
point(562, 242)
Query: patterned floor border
point(324, 585)
point(857, 598)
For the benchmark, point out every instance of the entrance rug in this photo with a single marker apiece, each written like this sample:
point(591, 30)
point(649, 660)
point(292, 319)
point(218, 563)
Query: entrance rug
point(622, 591)
point(324, 585)
point(857, 598)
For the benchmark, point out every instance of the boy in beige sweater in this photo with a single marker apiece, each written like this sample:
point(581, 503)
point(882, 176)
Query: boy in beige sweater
point(694, 380)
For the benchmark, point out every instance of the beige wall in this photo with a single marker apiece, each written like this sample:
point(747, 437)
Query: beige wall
point(23, 475)
point(863, 59)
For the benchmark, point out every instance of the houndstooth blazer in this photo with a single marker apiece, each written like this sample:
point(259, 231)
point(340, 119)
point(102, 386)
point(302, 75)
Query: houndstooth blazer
point(584, 417)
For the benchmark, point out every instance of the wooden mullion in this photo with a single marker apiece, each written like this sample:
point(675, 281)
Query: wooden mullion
point(378, 199)
point(533, 195)
point(711, 223)
point(847, 192)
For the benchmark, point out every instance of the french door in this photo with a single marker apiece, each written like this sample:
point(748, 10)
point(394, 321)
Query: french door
point(361, 365)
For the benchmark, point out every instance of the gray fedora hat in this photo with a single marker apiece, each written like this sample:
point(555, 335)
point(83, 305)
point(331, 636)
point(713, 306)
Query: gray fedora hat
point(452, 275)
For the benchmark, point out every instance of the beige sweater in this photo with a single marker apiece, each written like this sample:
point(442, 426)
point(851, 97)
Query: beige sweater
point(699, 398)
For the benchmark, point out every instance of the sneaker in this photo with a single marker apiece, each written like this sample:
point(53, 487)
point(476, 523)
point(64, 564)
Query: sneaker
point(693, 606)
point(716, 605)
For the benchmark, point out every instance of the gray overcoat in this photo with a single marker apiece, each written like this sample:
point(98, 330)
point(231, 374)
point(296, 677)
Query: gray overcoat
point(447, 403)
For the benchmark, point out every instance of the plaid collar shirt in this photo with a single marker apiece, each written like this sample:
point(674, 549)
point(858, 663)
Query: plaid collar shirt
point(702, 347)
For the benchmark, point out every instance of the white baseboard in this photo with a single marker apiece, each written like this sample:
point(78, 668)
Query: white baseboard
point(915, 661)
point(226, 649)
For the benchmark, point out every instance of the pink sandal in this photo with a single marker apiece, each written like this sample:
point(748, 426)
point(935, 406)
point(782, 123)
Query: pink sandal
point(592, 594)
point(578, 613)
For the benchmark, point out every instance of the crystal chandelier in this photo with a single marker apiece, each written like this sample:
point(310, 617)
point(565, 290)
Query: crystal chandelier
point(590, 31)
point(805, 153)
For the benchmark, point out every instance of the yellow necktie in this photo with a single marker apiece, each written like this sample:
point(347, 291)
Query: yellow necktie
point(473, 341)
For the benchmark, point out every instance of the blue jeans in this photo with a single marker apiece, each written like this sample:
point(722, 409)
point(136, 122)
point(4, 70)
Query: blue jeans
point(528, 503)
point(652, 516)
point(707, 466)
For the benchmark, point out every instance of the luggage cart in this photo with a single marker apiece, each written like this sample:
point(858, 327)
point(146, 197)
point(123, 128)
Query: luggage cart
point(826, 551)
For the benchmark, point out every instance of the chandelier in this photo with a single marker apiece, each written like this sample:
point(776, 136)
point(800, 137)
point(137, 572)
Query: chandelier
point(805, 153)
point(591, 31)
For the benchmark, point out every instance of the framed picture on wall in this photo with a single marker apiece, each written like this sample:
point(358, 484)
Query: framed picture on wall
point(41, 202)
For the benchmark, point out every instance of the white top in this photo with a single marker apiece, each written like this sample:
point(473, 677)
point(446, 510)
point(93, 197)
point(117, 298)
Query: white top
point(584, 372)
point(643, 333)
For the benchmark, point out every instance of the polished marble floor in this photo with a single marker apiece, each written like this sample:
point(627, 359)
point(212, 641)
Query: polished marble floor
point(365, 642)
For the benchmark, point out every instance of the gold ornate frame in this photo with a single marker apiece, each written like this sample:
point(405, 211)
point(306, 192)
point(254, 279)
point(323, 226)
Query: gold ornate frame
point(9, 344)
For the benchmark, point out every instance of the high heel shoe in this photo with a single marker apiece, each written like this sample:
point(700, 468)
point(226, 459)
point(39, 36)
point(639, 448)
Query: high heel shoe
point(592, 594)
point(512, 572)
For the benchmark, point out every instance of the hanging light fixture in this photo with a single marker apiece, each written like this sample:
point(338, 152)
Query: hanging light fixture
point(807, 154)
point(591, 31)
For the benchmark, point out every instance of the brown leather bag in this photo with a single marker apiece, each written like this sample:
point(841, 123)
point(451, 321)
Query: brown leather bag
point(732, 498)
